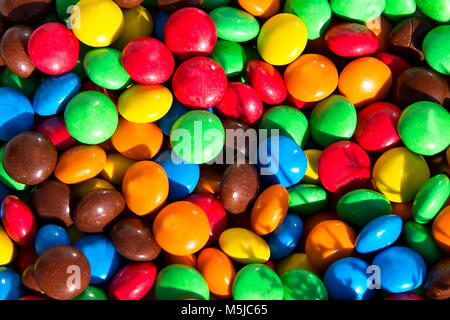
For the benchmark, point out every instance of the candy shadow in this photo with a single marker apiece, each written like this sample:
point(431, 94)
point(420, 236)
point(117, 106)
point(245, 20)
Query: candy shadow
point(170, 293)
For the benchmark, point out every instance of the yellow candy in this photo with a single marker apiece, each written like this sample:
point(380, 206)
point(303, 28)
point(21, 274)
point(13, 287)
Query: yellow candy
point(282, 39)
point(399, 173)
point(138, 24)
point(244, 246)
point(7, 248)
point(82, 188)
point(97, 23)
point(312, 171)
point(295, 261)
point(115, 167)
point(145, 103)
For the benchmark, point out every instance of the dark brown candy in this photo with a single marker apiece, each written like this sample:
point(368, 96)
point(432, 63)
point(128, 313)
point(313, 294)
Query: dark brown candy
point(97, 209)
point(134, 240)
point(172, 5)
point(2, 31)
point(407, 37)
point(29, 158)
point(437, 285)
point(239, 187)
point(236, 141)
point(128, 3)
point(62, 272)
point(51, 200)
point(24, 11)
point(29, 281)
point(13, 49)
point(419, 84)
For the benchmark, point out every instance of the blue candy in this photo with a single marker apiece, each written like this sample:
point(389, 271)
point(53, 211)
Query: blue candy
point(176, 111)
point(281, 161)
point(10, 284)
point(160, 22)
point(48, 236)
point(283, 240)
point(401, 269)
point(348, 279)
point(54, 93)
point(183, 177)
point(102, 256)
point(379, 233)
point(16, 113)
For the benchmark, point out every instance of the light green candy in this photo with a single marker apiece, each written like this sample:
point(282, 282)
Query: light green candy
point(230, 55)
point(303, 285)
point(397, 10)
point(257, 282)
point(358, 10)
point(234, 24)
point(438, 10)
point(436, 49)
point(306, 199)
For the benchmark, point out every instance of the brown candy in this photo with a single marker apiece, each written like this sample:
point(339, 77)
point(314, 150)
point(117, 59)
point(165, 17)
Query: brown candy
point(419, 84)
point(29, 281)
point(51, 200)
point(29, 158)
point(13, 49)
point(62, 272)
point(128, 3)
point(239, 187)
point(173, 5)
point(24, 11)
point(236, 143)
point(96, 209)
point(2, 31)
point(134, 240)
point(437, 285)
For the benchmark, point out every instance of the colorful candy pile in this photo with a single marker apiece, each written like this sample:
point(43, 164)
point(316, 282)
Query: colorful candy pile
point(217, 149)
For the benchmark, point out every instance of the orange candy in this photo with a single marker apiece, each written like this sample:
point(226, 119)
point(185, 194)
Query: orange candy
point(310, 78)
point(188, 260)
point(382, 28)
point(329, 241)
point(313, 221)
point(269, 209)
point(181, 228)
point(209, 182)
point(145, 187)
point(365, 80)
point(260, 8)
point(218, 271)
point(137, 141)
point(83, 188)
point(80, 163)
point(441, 230)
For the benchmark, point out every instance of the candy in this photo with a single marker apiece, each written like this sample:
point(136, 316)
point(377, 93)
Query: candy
point(7, 248)
point(267, 81)
point(437, 10)
point(230, 55)
point(395, 63)
point(440, 229)
point(435, 48)
point(18, 220)
point(437, 284)
point(116, 165)
point(285, 237)
point(307, 199)
point(83, 188)
point(92, 293)
point(29, 280)
point(257, 282)
point(5, 178)
point(13, 50)
point(11, 80)
point(128, 3)
point(49, 236)
point(137, 23)
point(172, 5)
point(10, 284)
point(234, 24)
point(311, 174)
point(258, 8)
point(26, 256)
point(16, 116)
point(244, 246)
point(295, 260)
point(24, 11)
point(379, 233)
point(420, 239)
point(188, 260)
point(303, 285)
point(55, 129)
point(133, 281)
point(160, 21)
point(351, 40)
point(399, 10)
point(358, 10)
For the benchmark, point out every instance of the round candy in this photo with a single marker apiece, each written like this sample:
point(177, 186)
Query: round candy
point(379, 233)
point(423, 127)
point(176, 111)
point(53, 48)
point(310, 78)
point(230, 55)
point(133, 281)
point(332, 120)
point(92, 293)
point(349, 39)
point(49, 236)
point(234, 24)
point(199, 83)
point(138, 23)
point(55, 129)
point(258, 8)
point(285, 237)
point(435, 49)
point(395, 63)
point(358, 10)
point(55, 92)
point(303, 285)
point(244, 246)
point(11, 80)
point(10, 284)
point(148, 61)
point(282, 39)
point(307, 199)
point(436, 285)
point(116, 165)
point(182, 41)
point(17, 114)
point(267, 81)
point(419, 238)
point(145, 187)
point(347, 278)
point(24, 11)
point(7, 248)
point(441, 227)
point(128, 3)
point(438, 10)
point(397, 10)
point(83, 188)
point(5, 178)
point(257, 282)
point(188, 260)
point(295, 260)
point(180, 282)
point(18, 220)
point(97, 23)
point(401, 269)
point(181, 228)
point(13, 50)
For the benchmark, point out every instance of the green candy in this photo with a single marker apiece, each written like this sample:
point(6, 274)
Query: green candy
point(306, 199)
point(290, 122)
point(91, 117)
point(104, 68)
point(316, 14)
point(397, 10)
point(420, 239)
point(332, 120)
point(251, 53)
point(424, 128)
point(257, 282)
point(360, 206)
point(230, 55)
point(430, 198)
point(303, 285)
point(27, 86)
point(197, 137)
point(358, 10)
point(234, 24)
point(150, 3)
point(438, 10)
point(436, 49)
point(92, 293)
point(212, 4)
point(62, 8)
point(180, 282)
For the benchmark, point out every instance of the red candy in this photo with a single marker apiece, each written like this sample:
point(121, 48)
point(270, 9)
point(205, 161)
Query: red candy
point(404, 296)
point(55, 129)
point(376, 128)
point(148, 61)
point(395, 63)
point(267, 81)
point(344, 166)
point(133, 281)
point(190, 32)
point(241, 102)
point(18, 221)
point(53, 48)
point(351, 39)
point(199, 83)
